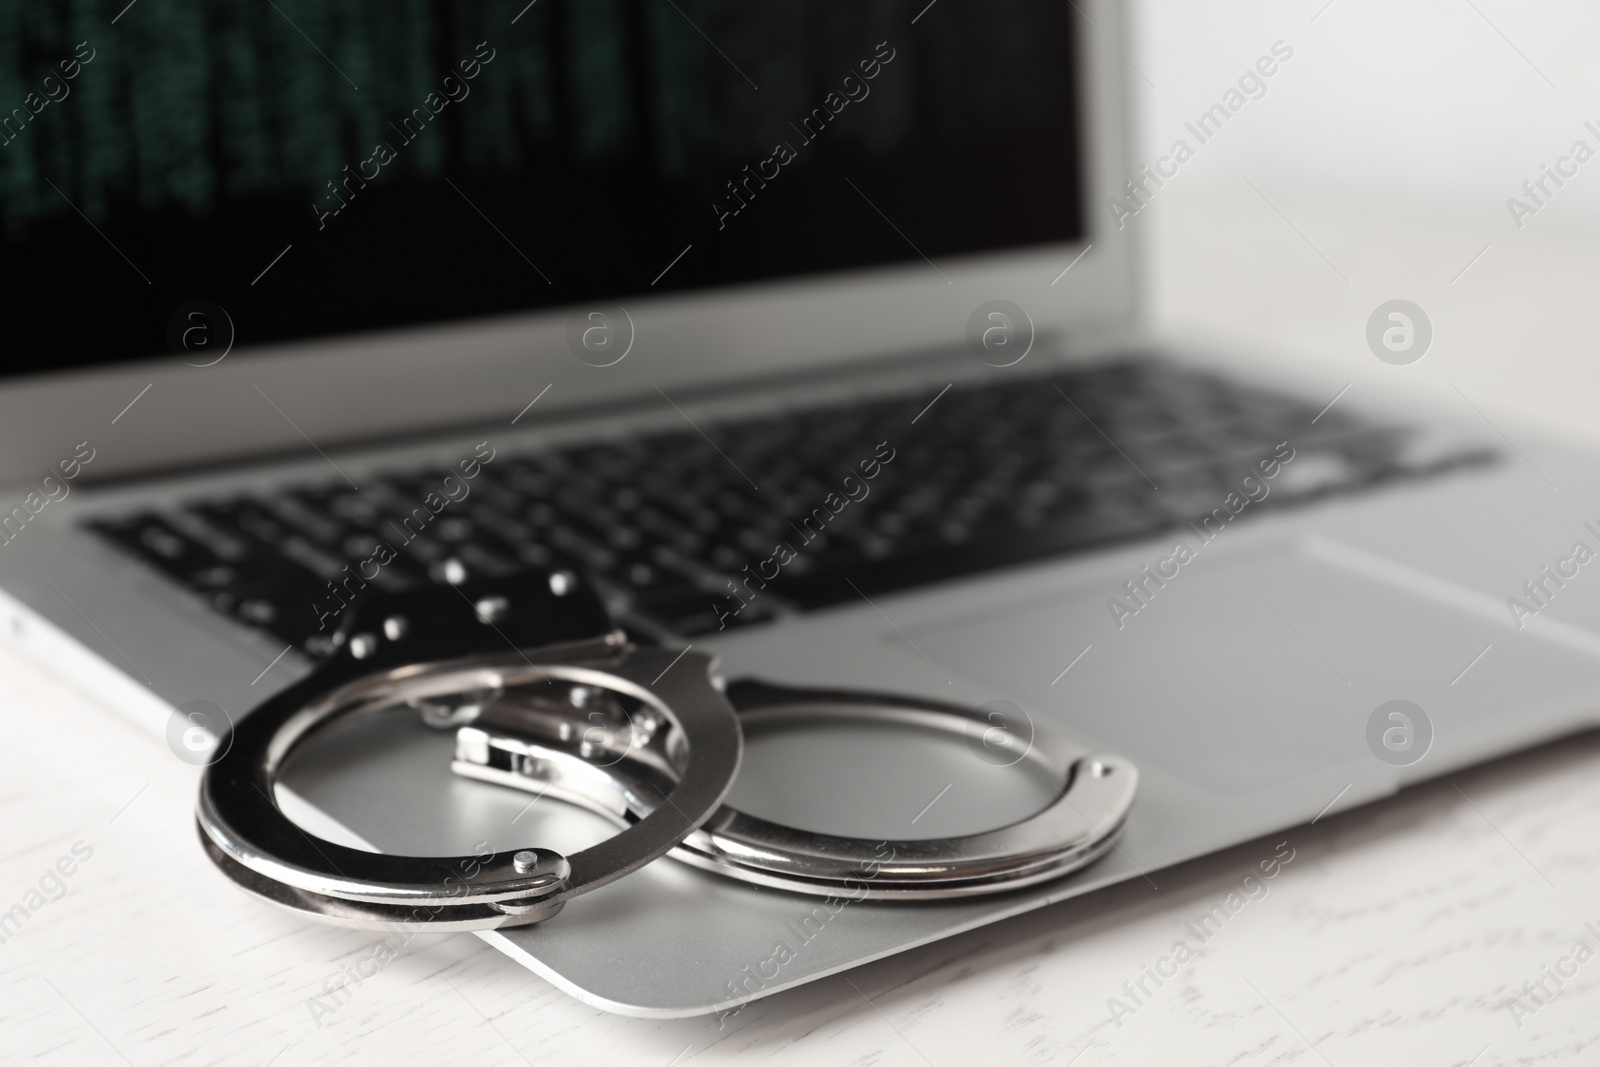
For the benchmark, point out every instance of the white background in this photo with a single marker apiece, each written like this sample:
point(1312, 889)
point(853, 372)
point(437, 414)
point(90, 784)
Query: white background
point(1391, 141)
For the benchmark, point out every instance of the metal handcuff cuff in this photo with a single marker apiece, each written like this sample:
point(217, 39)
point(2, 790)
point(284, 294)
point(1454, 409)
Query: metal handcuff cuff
point(646, 737)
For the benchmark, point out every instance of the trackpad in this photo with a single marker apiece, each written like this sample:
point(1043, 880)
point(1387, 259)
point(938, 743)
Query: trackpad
point(1239, 673)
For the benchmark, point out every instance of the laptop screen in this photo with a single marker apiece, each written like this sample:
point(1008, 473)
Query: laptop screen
point(314, 169)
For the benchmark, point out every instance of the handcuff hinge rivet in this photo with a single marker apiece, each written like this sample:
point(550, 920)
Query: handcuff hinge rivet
point(363, 645)
point(395, 627)
point(525, 861)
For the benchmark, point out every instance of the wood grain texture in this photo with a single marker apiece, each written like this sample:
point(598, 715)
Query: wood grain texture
point(1399, 933)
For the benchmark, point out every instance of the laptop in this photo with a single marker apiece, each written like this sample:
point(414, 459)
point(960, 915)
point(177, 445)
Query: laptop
point(684, 283)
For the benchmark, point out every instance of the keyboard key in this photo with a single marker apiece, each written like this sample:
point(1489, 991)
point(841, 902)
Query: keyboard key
point(995, 475)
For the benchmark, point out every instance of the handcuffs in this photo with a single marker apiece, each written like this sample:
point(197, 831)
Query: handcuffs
point(548, 696)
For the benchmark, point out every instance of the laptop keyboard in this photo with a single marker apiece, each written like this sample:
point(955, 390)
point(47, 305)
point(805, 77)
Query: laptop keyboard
point(764, 516)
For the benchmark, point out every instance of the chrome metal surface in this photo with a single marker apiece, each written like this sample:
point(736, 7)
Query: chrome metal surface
point(508, 746)
point(693, 728)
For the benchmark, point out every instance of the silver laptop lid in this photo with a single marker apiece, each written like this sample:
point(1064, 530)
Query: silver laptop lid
point(401, 223)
